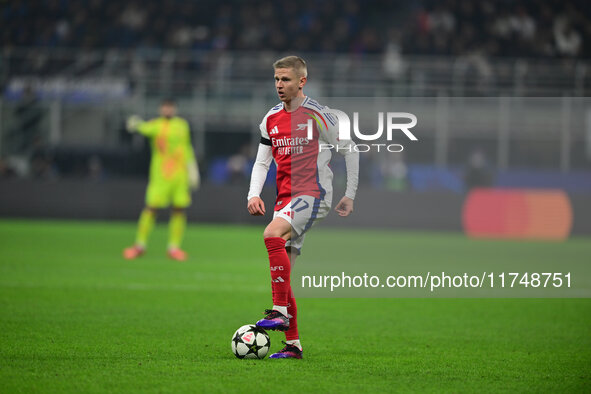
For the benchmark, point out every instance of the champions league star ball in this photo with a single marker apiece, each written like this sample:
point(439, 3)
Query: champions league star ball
point(249, 341)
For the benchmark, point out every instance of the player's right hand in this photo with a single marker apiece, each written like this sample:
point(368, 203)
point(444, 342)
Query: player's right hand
point(133, 123)
point(256, 206)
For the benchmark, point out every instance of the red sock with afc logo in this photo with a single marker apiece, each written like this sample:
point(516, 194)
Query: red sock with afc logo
point(280, 270)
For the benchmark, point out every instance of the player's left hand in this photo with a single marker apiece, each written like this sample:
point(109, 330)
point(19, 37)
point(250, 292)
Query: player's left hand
point(194, 178)
point(344, 207)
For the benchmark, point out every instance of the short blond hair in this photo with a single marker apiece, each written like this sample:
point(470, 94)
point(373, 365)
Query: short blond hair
point(297, 63)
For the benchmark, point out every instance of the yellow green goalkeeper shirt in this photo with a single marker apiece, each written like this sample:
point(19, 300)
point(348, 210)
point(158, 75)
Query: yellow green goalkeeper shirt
point(171, 148)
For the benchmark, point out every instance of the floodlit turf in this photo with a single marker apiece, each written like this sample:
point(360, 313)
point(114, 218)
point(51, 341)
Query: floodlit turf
point(76, 317)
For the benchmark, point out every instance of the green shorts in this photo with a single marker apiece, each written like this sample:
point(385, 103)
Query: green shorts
point(161, 194)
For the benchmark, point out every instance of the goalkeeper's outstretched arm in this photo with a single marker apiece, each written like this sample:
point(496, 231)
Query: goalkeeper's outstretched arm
point(137, 124)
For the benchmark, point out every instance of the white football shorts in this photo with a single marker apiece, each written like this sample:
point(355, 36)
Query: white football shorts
point(302, 213)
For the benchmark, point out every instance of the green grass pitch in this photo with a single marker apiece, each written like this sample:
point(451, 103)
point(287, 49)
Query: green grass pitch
point(76, 317)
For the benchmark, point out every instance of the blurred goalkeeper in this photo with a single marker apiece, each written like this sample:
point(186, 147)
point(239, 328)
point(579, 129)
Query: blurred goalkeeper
point(173, 173)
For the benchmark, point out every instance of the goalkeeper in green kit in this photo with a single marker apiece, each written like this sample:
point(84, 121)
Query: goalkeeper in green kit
point(173, 173)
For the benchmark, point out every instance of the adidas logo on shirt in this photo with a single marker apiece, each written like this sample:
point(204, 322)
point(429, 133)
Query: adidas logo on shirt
point(274, 130)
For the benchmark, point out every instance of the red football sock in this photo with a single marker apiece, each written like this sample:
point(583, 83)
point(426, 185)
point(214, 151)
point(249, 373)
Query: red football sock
point(280, 270)
point(292, 309)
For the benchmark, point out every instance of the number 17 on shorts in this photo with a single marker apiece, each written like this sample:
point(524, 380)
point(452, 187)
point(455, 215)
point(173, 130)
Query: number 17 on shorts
point(303, 212)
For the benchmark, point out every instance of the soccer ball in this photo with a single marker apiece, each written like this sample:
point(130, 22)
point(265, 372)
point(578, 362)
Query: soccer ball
point(249, 341)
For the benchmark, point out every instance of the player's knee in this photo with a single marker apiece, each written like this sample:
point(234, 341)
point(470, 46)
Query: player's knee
point(274, 232)
point(271, 233)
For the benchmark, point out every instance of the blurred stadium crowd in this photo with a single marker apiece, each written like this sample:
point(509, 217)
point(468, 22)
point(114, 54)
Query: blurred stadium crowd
point(448, 27)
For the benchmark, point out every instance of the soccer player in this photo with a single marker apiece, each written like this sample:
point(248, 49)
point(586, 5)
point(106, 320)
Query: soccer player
point(173, 172)
point(304, 186)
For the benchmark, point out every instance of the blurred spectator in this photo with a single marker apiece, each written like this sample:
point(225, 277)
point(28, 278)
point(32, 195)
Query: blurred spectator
point(134, 17)
point(239, 165)
point(42, 165)
point(6, 171)
point(477, 173)
point(394, 172)
point(393, 61)
point(95, 168)
point(568, 40)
